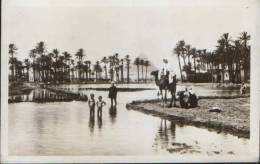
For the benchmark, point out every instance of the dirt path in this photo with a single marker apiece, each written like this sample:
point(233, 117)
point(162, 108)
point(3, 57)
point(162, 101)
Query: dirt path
point(234, 119)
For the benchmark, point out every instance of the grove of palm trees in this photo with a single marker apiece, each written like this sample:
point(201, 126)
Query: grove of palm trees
point(231, 56)
point(59, 67)
point(196, 65)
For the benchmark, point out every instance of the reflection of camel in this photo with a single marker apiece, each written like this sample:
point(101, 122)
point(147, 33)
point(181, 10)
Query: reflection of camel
point(163, 131)
point(164, 84)
point(173, 130)
point(165, 135)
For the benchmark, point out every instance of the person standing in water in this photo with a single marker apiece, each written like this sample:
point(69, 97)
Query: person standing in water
point(113, 94)
point(243, 89)
point(100, 104)
point(91, 104)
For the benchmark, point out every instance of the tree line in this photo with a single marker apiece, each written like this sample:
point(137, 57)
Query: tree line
point(63, 67)
point(232, 55)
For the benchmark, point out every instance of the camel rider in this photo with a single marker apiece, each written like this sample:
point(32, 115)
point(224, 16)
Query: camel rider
point(165, 68)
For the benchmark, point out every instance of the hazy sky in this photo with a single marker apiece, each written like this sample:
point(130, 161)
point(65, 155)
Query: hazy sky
point(125, 26)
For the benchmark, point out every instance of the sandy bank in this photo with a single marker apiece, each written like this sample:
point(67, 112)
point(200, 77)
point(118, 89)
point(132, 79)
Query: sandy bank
point(234, 119)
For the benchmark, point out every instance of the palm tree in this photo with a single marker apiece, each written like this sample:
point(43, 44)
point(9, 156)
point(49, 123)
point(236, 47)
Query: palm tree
point(127, 59)
point(116, 65)
point(188, 51)
point(228, 55)
point(79, 55)
point(193, 54)
point(122, 70)
point(181, 45)
point(27, 66)
point(203, 59)
point(67, 58)
point(88, 63)
point(12, 51)
point(177, 50)
point(111, 71)
point(97, 68)
point(105, 61)
point(137, 63)
point(48, 66)
point(61, 66)
point(198, 56)
point(32, 55)
point(41, 50)
point(72, 69)
point(18, 69)
point(237, 57)
point(244, 38)
point(146, 64)
point(55, 53)
point(142, 67)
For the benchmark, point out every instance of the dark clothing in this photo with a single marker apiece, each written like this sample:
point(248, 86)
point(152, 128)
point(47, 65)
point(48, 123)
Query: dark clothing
point(91, 104)
point(112, 92)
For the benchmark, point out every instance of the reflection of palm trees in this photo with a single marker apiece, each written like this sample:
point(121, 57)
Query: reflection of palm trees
point(112, 113)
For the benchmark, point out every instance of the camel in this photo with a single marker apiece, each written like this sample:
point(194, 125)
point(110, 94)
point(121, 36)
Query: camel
point(164, 84)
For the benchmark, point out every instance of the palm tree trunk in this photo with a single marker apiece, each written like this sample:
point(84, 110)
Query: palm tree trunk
point(106, 72)
point(138, 73)
point(180, 67)
point(12, 62)
point(27, 76)
point(194, 61)
point(128, 79)
point(146, 73)
point(122, 74)
point(142, 72)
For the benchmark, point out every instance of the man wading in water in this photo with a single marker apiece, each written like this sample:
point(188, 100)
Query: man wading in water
point(112, 93)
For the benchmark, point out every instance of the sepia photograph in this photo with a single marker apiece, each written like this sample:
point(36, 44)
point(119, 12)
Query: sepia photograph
point(130, 81)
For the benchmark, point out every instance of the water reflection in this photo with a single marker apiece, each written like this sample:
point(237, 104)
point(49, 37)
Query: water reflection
point(112, 113)
point(91, 121)
point(162, 137)
point(100, 121)
point(71, 128)
point(165, 139)
point(41, 95)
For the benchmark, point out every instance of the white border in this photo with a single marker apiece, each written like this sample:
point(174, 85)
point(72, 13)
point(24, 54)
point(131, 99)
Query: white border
point(254, 121)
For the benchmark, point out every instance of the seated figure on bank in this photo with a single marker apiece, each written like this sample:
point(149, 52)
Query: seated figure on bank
point(187, 98)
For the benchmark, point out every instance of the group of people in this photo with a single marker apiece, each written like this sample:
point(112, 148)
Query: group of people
point(92, 103)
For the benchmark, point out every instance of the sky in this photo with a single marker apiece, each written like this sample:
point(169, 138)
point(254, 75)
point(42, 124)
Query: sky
point(135, 27)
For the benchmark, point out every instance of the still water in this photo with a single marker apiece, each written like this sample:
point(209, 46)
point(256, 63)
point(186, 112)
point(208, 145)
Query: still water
point(66, 128)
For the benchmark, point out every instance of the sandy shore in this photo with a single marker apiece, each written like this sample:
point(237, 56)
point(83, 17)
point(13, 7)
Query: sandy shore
point(234, 119)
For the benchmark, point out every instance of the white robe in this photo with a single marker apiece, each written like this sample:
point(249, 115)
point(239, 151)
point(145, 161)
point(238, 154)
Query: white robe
point(165, 69)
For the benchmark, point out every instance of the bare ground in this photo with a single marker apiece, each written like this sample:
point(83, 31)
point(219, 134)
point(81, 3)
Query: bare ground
point(234, 118)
